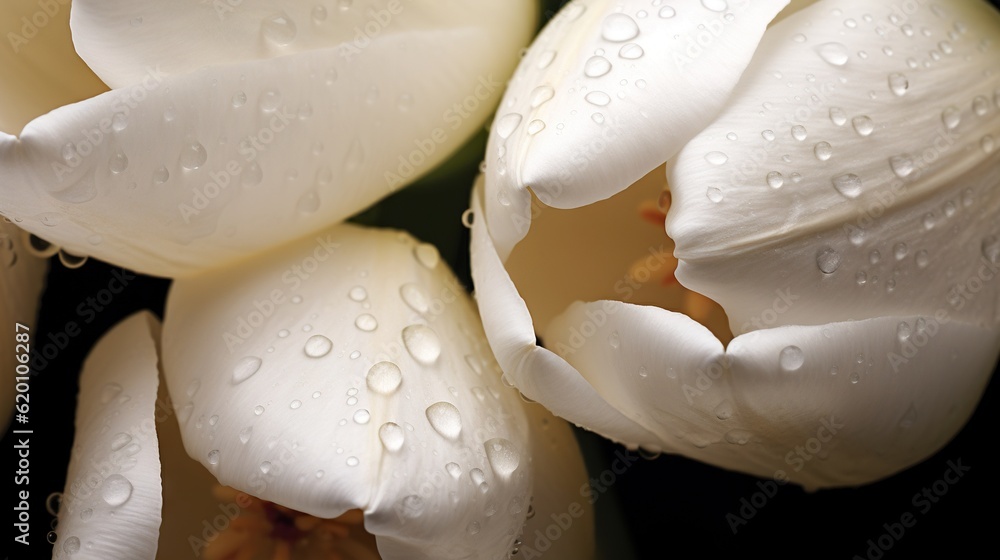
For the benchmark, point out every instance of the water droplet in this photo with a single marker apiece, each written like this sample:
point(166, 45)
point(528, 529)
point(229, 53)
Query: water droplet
point(768, 135)
point(427, 255)
point(445, 419)
point(362, 416)
point(503, 456)
point(541, 95)
point(715, 5)
point(714, 194)
point(898, 83)
point(279, 29)
point(72, 545)
point(120, 440)
point(799, 132)
point(863, 125)
point(791, 358)
point(951, 117)
point(109, 392)
point(598, 98)
point(454, 470)
point(902, 165)
point(987, 144)
point(834, 53)
point(193, 156)
point(724, 411)
point(596, 67)
point(618, 28)
point(392, 436)
point(384, 378)
point(358, 293)
point(828, 260)
point(991, 249)
point(738, 437)
point(838, 116)
point(775, 180)
point(667, 12)
point(414, 297)
point(160, 175)
point(86, 514)
point(309, 202)
point(861, 278)
point(535, 126)
point(900, 251)
point(117, 490)
point(477, 477)
point(716, 158)
point(366, 322)
point(631, 51)
point(473, 528)
point(506, 125)
point(411, 507)
point(422, 343)
point(246, 368)
point(597, 118)
point(849, 185)
point(119, 122)
point(53, 502)
point(823, 151)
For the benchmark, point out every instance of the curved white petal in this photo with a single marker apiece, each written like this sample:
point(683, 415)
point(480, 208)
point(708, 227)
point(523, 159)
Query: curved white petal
point(40, 69)
point(22, 276)
point(177, 173)
point(607, 92)
point(856, 167)
point(537, 372)
point(112, 502)
point(348, 372)
point(861, 399)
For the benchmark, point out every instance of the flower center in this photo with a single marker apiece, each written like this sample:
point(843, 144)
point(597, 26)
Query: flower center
point(267, 531)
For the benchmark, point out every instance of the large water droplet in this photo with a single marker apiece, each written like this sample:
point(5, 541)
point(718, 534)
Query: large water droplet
point(618, 28)
point(828, 260)
point(799, 132)
point(279, 29)
point(775, 180)
point(541, 95)
point(951, 117)
point(427, 255)
point(834, 53)
point(118, 162)
point(445, 419)
point(109, 392)
point(366, 322)
point(898, 84)
point(716, 158)
point(791, 358)
point(823, 151)
point(362, 416)
point(598, 98)
point(715, 5)
point(72, 545)
point(453, 470)
point(503, 456)
point(309, 202)
point(714, 194)
point(384, 378)
point(318, 346)
point(596, 67)
point(422, 343)
point(902, 165)
point(631, 51)
point(414, 297)
point(116, 490)
point(193, 156)
point(991, 249)
point(120, 440)
point(863, 125)
point(392, 436)
point(246, 368)
point(838, 116)
point(849, 185)
point(506, 125)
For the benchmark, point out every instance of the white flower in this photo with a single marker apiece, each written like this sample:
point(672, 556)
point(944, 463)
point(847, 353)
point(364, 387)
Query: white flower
point(834, 189)
point(364, 389)
point(329, 372)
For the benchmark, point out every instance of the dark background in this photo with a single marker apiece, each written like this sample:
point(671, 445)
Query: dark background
point(663, 508)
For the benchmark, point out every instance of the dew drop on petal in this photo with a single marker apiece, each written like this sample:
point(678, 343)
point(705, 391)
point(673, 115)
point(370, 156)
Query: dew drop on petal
point(246, 368)
point(502, 456)
point(791, 358)
point(619, 28)
point(422, 343)
point(362, 416)
point(828, 260)
point(445, 419)
point(392, 436)
point(384, 378)
point(116, 490)
point(318, 346)
point(414, 297)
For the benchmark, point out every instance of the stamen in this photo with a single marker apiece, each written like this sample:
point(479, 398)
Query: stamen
point(268, 531)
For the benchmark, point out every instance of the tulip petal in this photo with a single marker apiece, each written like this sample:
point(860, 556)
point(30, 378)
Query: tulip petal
point(864, 400)
point(23, 276)
point(178, 173)
point(854, 171)
point(111, 505)
point(537, 372)
point(585, 114)
point(348, 372)
point(40, 69)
